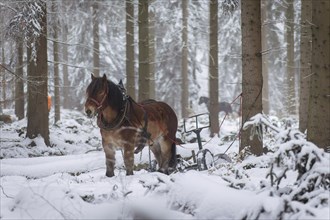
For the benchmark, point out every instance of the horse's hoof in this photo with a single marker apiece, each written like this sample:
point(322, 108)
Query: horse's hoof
point(129, 173)
point(109, 174)
point(163, 171)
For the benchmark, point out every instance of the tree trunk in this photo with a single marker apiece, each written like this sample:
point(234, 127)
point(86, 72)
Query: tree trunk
point(184, 60)
point(144, 70)
point(37, 87)
point(96, 41)
point(305, 62)
point(265, 57)
point(152, 53)
point(19, 85)
point(57, 103)
point(251, 70)
point(290, 64)
point(3, 79)
point(319, 100)
point(130, 72)
point(65, 56)
point(213, 69)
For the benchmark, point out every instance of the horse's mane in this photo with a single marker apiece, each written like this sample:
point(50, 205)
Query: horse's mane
point(114, 97)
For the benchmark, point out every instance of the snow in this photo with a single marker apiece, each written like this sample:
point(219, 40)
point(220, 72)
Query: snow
point(45, 166)
point(67, 180)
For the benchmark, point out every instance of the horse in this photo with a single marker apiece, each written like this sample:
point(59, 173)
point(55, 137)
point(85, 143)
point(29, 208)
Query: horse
point(129, 125)
point(223, 106)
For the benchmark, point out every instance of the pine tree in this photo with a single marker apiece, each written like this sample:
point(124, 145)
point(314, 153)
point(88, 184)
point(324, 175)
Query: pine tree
point(290, 64)
point(305, 62)
point(213, 69)
point(251, 71)
point(152, 51)
point(130, 73)
point(19, 85)
point(37, 115)
point(57, 101)
point(319, 101)
point(96, 40)
point(144, 70)
point(184, 61)
point(265, 56)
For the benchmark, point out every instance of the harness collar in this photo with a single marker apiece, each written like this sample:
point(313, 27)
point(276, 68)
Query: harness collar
point(117, 122)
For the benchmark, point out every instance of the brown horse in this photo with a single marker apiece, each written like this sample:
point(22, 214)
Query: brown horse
point(129, 125)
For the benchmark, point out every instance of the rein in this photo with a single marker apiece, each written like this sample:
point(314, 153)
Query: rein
point(99, 104)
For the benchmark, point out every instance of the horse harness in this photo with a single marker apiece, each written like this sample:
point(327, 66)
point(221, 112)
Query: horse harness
point(122, 117)
point(117, 122)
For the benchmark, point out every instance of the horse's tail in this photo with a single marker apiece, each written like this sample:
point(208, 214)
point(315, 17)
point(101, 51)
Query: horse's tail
point(172, 163)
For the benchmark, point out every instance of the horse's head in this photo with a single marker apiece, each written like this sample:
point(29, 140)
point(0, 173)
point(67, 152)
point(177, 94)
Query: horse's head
point(97, 92)
point(203, 99)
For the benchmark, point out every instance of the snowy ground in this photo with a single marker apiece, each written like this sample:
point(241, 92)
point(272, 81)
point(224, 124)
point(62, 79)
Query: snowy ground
point(67, 181)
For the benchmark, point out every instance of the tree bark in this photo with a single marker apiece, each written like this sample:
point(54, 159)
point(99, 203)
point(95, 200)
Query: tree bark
point(65, 56)
point(152, 52)
point(96, 41)
point(57, 103)
point(265, 56)
point(37, 118)
point(130, 69)
point(290, 64)
point(3, 79)
point(305, 62)
point(319, 100)
point(213, 69)
point(251, 71)
point(184, 61)
point(144, 69)
point(19, 85)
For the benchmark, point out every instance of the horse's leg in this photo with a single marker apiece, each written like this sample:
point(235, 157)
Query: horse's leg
point(155, 148)
point(110, 158)
point(129, 159)
point(166, 154)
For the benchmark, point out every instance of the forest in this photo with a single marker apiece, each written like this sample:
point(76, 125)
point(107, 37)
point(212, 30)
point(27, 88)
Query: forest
point(249, 78)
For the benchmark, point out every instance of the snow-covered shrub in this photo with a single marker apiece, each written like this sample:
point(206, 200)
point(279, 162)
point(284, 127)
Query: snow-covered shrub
point(312, 165)
point(294, 154)
point(311, 189)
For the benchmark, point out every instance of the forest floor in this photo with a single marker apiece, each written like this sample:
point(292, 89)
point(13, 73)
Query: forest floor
point(67, 180)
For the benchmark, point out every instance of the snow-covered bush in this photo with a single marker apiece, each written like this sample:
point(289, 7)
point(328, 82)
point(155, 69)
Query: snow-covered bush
point(294, 155)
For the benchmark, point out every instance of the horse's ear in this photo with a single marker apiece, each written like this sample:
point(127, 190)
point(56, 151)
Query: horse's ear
point(121, 86)
point(92, 76)
point(121, 83)
point(104, 77)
